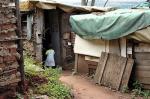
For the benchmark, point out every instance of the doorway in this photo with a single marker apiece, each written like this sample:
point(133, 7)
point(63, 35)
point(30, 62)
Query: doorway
point(51, 35)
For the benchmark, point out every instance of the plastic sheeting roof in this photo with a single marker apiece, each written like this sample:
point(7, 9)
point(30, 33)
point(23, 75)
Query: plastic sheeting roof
point(50, 4)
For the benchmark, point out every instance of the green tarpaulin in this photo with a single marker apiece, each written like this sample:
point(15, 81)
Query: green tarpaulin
point(111, 25)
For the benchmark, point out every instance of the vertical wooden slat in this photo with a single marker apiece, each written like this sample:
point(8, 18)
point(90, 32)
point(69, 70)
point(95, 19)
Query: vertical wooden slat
point(127, 73)
point(100, 67)
point(76, 64)
point(20, 46)
point(123, 46)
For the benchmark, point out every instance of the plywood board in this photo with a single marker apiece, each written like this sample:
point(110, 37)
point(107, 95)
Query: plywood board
point(90, 47)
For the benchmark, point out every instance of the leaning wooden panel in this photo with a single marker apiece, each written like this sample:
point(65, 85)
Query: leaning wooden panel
point(100, 67)
point(113, 72)
point(127, 73)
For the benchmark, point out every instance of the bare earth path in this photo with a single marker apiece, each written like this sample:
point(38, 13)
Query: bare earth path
point(84, 88)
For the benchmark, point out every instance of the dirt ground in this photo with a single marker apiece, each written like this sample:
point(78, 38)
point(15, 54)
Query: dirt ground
point(84, 88)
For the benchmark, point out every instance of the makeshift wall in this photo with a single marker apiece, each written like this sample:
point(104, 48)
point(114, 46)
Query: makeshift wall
point(90, 51)
point(38, 32)
point(90, 47)
point(9, 57)
point(67, 41)
point(142, 63)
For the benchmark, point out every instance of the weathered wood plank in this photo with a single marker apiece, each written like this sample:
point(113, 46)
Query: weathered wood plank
point(76, 64)
point(127, 73)
point(143, 62)
point(123, 45)
point(100, 67)
point(143, 80)
point(142, 56)
point(114, 71)
point(143, 47)
point(146, 86)
point(114, 47)
point(141, 73)
point(142, 68)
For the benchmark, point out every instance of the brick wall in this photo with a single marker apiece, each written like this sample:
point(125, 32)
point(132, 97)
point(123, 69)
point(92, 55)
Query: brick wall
point(9, 74)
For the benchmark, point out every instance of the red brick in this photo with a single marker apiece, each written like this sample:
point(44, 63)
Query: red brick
point(1, 59)
point(7, 26)
point(9, 59)
point(7, 44)
point(13, 50)
point(2, 65)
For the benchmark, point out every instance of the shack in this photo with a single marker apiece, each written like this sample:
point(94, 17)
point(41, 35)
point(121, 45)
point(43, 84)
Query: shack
point(122, 32)
point(11, 58)
point(47, 22)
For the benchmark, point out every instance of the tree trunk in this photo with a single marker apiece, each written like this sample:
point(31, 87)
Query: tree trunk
point(106, 3)
point(92, 2)
point(84, 2)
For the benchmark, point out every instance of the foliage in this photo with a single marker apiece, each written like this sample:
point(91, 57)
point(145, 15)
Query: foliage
point(139, 91)
point(45, 81)
point(125, 89)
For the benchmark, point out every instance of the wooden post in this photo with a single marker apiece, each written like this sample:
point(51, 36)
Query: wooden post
point(123, 45)
point(84, 2)
point(76, 64)
point(92, 2)
point(20, 46)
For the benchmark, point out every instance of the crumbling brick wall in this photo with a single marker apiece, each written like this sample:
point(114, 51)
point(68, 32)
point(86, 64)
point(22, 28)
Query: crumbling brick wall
point(9, 74)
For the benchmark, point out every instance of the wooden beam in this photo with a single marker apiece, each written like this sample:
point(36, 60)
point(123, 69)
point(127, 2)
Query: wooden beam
point(76, 64)
point(123, 46)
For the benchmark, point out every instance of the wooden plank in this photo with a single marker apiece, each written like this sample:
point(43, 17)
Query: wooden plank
point(123, 45)
point(143, 62)
point(113, 71)
point(141, 73)
point(143, 47)
point(142, 56)
point(103, 67)
point(142, 68)
point(127, 73)
point(76, 64)
point(146, 86)
point(143, 80)
point(114, 47)
point(100, 67)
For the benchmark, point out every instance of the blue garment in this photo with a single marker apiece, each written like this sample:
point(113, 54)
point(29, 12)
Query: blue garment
point(50, 58)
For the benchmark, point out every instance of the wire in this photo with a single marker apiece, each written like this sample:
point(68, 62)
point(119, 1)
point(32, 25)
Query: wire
point(105, 3)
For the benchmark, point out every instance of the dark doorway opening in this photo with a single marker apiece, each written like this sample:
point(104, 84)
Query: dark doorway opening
point(51, 35)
